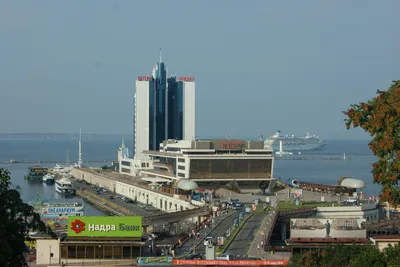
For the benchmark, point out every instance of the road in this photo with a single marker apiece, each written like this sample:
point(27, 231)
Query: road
point(217, 231)
point(136, 209)
point(241, 244)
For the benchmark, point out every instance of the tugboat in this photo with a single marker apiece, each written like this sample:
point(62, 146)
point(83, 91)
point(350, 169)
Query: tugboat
point(64, 187)
point(48, 179)
point(36, 172)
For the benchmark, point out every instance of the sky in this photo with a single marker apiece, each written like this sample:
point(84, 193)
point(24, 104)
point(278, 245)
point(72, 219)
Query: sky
point(260, 66)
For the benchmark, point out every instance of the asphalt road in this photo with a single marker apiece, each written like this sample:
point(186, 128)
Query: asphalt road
point(241, 244)
point(136, 209)
point(217, 231)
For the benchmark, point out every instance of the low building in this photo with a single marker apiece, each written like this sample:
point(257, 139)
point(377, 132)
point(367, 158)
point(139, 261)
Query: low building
point(210, 163)
point(100, 238)
point(383, 241)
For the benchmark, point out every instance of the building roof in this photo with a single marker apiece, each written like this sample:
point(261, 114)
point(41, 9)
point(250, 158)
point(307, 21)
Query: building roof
point(187, 185)
point(386, 237)
point(155, 179)
point(352, 183)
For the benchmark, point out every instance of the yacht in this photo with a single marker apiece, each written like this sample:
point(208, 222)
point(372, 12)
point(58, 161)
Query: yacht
point(48, 179)
point(64, 187)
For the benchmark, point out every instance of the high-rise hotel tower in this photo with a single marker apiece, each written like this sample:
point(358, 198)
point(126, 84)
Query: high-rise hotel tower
point(164, 109)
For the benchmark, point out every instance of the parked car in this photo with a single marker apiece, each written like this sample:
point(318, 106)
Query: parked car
point(351, 200)
point(149, 208)
point(225, 257)
point(194, 257)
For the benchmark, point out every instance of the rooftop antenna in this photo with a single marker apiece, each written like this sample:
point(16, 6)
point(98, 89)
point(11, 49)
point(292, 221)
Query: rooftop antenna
point(80, 149)
point(160, 55)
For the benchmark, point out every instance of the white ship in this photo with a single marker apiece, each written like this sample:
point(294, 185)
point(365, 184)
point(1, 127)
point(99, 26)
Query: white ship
point(64, 187)
point(48, 179)
point(293, 143)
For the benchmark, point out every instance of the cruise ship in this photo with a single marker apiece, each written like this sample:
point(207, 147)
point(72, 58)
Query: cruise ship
point(293, 143)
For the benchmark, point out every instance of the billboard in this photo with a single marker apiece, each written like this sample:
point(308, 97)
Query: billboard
point(106, 226)
point(230, 263)
point(154, 261)
point(296, 192)
point(327, 228)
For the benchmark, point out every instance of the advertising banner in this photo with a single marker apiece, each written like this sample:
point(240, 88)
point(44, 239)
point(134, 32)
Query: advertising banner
point(61, 210)
point(327, 228)
point(296, 192)
point(110, 226)
point(231, 263)
point(154, 261)
point(220, 241)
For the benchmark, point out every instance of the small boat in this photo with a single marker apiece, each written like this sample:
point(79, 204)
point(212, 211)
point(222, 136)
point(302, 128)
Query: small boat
point(36, 172)
point(48, 179)
point(64, 187)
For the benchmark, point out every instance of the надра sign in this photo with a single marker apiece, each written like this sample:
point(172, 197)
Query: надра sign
point(111, 226)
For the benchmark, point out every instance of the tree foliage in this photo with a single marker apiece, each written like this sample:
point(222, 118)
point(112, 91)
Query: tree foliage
point(16, 219)
point(380, 117)
point(349, 256)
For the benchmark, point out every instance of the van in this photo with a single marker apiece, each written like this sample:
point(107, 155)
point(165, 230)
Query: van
point(224, 257)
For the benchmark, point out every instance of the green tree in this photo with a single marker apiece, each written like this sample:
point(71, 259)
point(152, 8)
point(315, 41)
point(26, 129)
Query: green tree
point(16, 219)
point(392, 254)
point(308, 259)
point(369, 256)
point(380, 117)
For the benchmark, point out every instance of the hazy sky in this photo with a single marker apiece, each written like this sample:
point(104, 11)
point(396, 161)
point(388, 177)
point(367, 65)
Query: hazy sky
point(259, 65)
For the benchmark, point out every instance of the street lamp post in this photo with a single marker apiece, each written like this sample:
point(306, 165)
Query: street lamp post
point(100, 254)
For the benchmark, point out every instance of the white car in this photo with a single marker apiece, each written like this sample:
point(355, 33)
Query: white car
point(224, 257)
point(351, 200)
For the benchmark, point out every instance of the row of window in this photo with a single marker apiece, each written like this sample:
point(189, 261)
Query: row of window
point(126, 163)
point(99, 252)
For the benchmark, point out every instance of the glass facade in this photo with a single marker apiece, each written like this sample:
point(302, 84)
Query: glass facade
point(230, 168)
point(175, 109)
point(161, 104)
point(165, 108)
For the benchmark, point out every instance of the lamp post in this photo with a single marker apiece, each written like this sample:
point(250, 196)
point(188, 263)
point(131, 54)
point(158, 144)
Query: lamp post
point(100, 254)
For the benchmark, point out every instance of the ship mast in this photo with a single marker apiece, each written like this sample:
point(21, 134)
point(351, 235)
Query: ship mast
point(80, 149)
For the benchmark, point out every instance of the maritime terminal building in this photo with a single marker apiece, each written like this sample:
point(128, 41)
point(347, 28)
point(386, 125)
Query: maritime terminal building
point(209, 163)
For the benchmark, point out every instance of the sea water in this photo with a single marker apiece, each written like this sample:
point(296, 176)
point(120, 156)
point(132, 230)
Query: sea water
point(47, 147)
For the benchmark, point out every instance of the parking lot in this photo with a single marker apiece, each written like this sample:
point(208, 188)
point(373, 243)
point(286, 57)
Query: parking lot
point(109, 196)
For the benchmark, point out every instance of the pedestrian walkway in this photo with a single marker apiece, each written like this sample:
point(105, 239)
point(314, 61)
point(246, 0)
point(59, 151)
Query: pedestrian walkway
point(259, 245)
point(191, 243)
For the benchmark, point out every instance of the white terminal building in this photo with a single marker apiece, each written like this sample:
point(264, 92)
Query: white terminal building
point(209, 163)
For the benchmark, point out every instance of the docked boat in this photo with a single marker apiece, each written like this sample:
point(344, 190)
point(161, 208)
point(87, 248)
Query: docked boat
point(55, 213)
point(64, 187)
point(36, 172)
point(48, 179)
